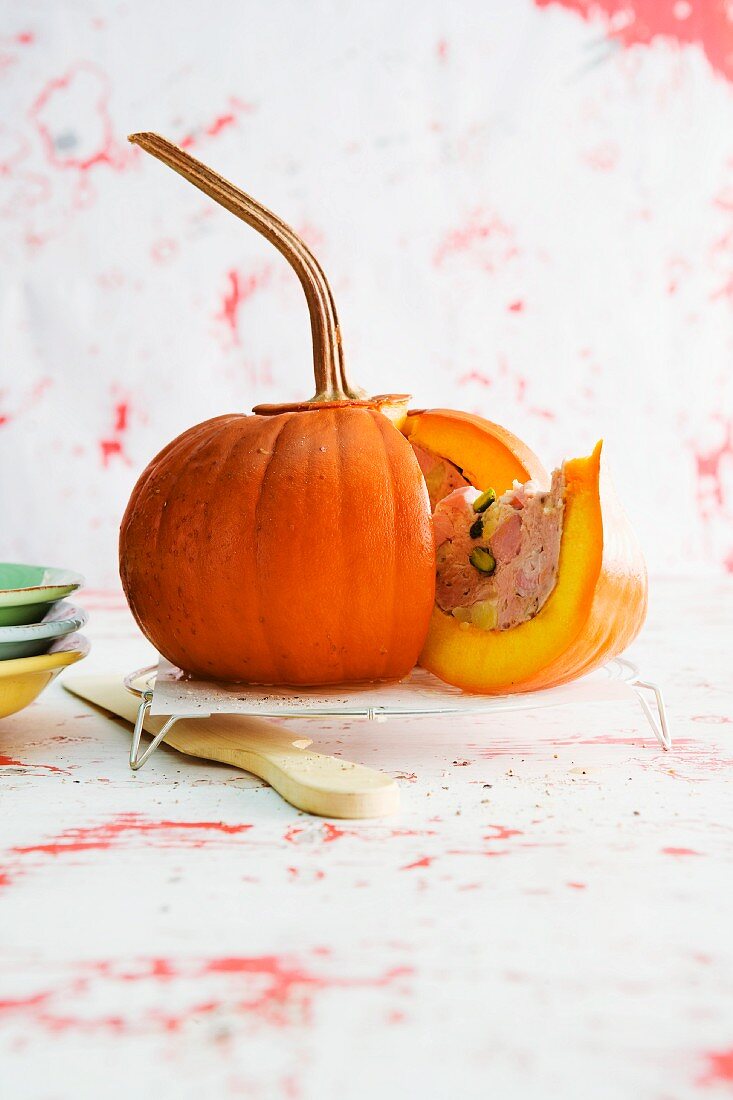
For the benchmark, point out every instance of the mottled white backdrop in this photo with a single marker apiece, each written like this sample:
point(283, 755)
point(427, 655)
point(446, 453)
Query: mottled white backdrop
point(525, 209)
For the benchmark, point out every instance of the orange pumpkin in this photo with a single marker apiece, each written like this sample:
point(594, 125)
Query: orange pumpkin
point(294, 546)
point(596, 608)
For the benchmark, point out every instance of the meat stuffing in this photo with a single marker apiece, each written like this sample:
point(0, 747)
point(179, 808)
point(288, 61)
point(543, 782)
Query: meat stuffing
point(496, 568)
point(441, 476)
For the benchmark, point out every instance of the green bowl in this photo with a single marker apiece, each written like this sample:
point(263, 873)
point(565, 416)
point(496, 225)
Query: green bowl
point(28, 591)
point(35, 638)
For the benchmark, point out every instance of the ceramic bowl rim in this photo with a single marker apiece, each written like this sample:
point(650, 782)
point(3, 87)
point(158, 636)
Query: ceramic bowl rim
point(68, 580)
point(51, 626)
point(65, 651)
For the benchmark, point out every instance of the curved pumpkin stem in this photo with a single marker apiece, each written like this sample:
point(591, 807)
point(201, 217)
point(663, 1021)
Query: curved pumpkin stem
point(328, 358)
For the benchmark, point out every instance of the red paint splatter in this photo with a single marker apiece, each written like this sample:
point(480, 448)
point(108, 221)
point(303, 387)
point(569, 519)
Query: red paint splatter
point(719, 1068)
point(10, 762)
point(441, 49)
point(110, 448)
point(327, 833)
point(502, 833)
point(680, 852)
point(639, 22)
point(113, 445)
point(412, 832)
point(504, 376)
point(220, 122)
point(156, 968)
point(28, 402)
point(110, 834)
point(700, 756)
point(488, 239)
point(713, 719)
point(72, 118)
point(279, 986)
point(576, 885)
point(679, 269)
point(475, 376)
point(12, 1003)
point(279, 991)
point(25, 38)
point(241, 288)
point(163, 250)
point(425, 861)
point(162, 969)
point(16, 149)
point(122, 412)
point(516, 307)
point(710, 467)
point(475, 852)
point(723, 292)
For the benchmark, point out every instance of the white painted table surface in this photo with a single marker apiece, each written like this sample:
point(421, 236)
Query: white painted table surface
point(550, 915)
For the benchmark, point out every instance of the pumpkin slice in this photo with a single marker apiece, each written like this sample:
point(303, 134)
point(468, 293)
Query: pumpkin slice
point(592, 608)
point(458, 448)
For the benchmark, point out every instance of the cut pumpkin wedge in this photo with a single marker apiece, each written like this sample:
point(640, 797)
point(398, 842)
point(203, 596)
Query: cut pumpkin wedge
point(596, 608)
point(486, 454)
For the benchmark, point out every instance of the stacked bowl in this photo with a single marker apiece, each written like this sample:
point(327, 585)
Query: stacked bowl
point(38, 630)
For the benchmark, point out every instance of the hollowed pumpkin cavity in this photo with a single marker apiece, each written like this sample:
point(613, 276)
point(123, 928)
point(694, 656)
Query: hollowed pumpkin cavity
point(568, 592)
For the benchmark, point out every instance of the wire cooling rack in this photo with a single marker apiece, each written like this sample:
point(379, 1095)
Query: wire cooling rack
point(165, 691)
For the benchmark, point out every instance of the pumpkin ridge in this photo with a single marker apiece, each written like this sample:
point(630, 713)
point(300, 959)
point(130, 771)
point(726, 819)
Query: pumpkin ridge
point(138, 504)
point(394, 594)
point(340, 598)
point(288, 418)
point(242, 443)
point(137, 496)
point(203, 441)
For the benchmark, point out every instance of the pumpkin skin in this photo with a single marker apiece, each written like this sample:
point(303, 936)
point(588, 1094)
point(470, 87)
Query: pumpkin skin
point(596, 609)
point(287, 549)
point(487, 454)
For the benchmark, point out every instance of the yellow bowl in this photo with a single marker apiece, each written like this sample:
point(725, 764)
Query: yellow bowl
point(23, 679)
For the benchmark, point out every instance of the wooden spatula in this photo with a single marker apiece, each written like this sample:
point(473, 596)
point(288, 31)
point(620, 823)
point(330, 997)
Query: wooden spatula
point(308, 780)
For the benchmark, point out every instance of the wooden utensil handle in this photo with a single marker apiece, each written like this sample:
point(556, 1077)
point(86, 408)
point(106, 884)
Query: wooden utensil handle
point(311, 781)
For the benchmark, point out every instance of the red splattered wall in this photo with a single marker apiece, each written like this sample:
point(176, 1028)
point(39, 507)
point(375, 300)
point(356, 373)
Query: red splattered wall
point(524, 209)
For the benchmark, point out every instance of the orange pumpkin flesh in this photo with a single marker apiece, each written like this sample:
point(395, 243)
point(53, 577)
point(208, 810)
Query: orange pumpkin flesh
point(595, 610)
point(486, 453)
point(290, 547)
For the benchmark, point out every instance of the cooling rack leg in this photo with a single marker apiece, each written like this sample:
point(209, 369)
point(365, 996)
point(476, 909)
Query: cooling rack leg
point(137, 759)
point(657, 721)
point(142, 710)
